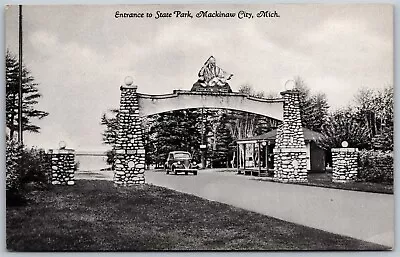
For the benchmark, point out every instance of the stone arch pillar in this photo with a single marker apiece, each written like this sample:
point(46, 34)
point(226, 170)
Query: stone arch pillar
point(129, 148)
point(290, 154)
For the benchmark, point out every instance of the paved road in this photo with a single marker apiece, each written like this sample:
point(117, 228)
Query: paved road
point(366, 216)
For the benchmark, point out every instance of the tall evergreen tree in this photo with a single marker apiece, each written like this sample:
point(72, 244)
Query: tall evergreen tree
point(30, 93)
point(175, 131)
point(224, 147)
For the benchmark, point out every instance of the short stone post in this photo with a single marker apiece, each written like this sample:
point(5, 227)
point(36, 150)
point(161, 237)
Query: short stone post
point(62, 163)
point(290, 155)
point(344, 164)
point(129, 148)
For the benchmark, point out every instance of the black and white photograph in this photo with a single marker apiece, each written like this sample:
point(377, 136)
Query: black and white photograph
point(199, 127)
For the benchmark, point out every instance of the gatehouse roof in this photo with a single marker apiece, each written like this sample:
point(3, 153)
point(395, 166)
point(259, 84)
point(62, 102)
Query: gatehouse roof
point(309, 135)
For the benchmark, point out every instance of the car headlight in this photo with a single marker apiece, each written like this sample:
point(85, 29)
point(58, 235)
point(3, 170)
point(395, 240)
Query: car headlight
point(179, 162)
point(194, 163)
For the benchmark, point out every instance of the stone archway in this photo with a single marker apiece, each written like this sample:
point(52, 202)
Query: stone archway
point(290, 151)
point(184, 99)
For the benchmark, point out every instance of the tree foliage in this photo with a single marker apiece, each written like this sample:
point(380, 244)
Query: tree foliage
point(174, 131)
point(110, 121)
point(26, 170)
point(376, 109)
point(368, 124)
point(313, 107)
point(30, 93)
point(376, 166)
point(243, 124)
point(223, 147)
point(343, 125)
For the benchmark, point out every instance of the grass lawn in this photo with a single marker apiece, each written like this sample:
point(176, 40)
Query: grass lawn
point(97, 216)
point(325, 180)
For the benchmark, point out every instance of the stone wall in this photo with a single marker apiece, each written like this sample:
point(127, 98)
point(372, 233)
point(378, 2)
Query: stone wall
point(290, 154)
point(62, 163)
point(345, 164)
point(129, 148)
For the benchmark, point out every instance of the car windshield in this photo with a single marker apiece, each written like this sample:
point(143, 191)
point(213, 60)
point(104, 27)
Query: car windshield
point(182, 155)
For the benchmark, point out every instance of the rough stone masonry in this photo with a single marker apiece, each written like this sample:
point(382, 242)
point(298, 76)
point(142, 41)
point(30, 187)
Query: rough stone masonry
point(129, 148)
point(345, 164)
point(62, 163)
point(290, 155)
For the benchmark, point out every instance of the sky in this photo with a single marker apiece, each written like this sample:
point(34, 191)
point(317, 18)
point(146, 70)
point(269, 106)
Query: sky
point(80, 56)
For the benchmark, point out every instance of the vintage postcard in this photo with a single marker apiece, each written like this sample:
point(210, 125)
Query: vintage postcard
point(230, 127)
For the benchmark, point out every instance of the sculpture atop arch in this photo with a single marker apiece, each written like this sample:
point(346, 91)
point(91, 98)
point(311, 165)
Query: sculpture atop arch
point(212, 78)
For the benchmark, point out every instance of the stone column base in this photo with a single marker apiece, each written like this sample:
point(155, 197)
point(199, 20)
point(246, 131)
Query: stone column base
point(345, 164)
point(62, 162)
point(129, 167)
point(290, 165)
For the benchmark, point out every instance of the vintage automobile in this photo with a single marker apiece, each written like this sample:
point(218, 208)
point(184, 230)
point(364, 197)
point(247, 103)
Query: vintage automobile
point(180, 161)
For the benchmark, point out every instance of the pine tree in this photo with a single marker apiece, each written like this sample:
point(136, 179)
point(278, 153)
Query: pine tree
point(30, 93)
point(223, 143)
point(175, 131)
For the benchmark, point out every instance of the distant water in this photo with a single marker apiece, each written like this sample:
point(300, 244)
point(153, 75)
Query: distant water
point(91, 162)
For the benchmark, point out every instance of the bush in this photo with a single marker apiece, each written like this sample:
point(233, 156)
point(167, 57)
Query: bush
point(26, 170)
point(34, 168)
point(13, 182)
point(384, 140)
point(376, 166)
